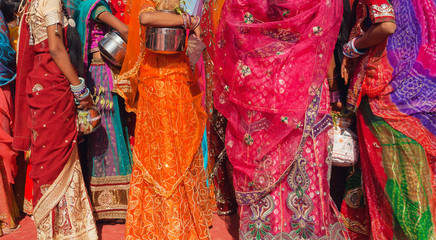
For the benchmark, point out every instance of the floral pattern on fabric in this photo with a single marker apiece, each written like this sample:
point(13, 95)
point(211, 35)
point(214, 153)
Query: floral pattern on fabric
point(293, 209)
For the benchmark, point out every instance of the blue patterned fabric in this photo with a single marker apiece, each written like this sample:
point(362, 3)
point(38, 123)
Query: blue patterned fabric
point(7, 54)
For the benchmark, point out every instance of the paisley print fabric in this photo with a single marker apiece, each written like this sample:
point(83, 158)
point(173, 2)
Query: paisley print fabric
point(300, 206)
point(45, 100)
point(64, 211)
point(168, 163)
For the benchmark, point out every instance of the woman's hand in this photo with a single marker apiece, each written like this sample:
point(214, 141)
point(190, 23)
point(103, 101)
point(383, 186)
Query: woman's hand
point(199, 32)
point(336, 107)
point(344, 70)
point(86, 103)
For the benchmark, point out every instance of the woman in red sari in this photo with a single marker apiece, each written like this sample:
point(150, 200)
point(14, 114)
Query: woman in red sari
point(46, 120)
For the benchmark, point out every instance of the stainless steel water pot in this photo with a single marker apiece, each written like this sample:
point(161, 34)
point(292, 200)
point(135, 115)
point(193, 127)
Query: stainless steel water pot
point(113, 48)
point(168, 40)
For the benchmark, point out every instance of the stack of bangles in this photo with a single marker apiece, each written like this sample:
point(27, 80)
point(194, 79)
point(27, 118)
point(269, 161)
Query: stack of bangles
point(188, 23)
point(350, 50)
point(80, 91)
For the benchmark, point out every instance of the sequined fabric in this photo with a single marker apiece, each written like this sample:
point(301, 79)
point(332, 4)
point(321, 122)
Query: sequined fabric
point(271, 62)
point(399, 192)
point(109, 155)
point(43, 13)
point(51, 118)
point(168, 164)
point(168, 197)
point(396, 122)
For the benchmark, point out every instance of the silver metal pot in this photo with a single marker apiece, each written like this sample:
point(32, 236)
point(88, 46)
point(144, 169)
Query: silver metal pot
point(165, 40)
point(113, 48)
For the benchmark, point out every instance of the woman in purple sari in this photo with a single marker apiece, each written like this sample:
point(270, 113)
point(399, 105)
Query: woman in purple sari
point(109, 159)
point(272, 60)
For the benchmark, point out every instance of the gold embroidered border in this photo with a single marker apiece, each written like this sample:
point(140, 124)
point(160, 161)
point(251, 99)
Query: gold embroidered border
point(54, 194)
point(354, 225)
point(28, 207)
point(109, 196)
point(119, 180)
point(111, 215)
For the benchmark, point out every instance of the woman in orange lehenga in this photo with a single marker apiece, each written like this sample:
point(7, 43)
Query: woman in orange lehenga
point(168, 196)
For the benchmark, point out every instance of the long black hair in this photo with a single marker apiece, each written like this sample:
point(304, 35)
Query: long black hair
point(74, 44)
point(9, 8)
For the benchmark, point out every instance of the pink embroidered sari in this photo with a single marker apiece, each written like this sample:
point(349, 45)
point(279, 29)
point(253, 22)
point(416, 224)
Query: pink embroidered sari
point(271, 62)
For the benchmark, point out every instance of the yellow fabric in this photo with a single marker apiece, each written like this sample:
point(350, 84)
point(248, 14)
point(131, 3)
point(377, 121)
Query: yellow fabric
point(13, 36)
point(168, 196)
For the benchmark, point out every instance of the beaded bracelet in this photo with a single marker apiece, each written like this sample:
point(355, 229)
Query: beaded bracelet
point(185, 21)
point(196, 23)
point(78, 88)
point(83, 96)
point(83, 91)
point(354, 48)
point(350, 50)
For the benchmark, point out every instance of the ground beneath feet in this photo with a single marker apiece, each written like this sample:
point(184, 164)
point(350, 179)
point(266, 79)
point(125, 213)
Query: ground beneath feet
point(27, 231)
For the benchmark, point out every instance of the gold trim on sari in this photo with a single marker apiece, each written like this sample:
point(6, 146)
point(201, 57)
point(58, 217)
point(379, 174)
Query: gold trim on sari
point(64, 210)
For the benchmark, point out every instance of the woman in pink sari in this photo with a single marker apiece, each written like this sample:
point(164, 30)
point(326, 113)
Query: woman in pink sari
point(272, 59)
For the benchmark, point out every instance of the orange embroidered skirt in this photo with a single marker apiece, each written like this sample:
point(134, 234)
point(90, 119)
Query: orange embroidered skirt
point(168, 196)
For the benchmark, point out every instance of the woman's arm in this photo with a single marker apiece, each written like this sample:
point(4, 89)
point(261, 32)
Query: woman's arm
point(61, 58)
point(376, 34)
point(160, 19)
point(164, 19)
point(113, 22)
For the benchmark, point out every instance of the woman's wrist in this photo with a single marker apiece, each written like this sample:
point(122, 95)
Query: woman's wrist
point(358, 46)
point(80, 91)
point(80, 85)
point(190, 22)
point(350, 50)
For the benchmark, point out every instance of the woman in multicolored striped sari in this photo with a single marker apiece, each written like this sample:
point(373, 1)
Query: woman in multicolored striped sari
point(393, 87)
point(109, 157)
